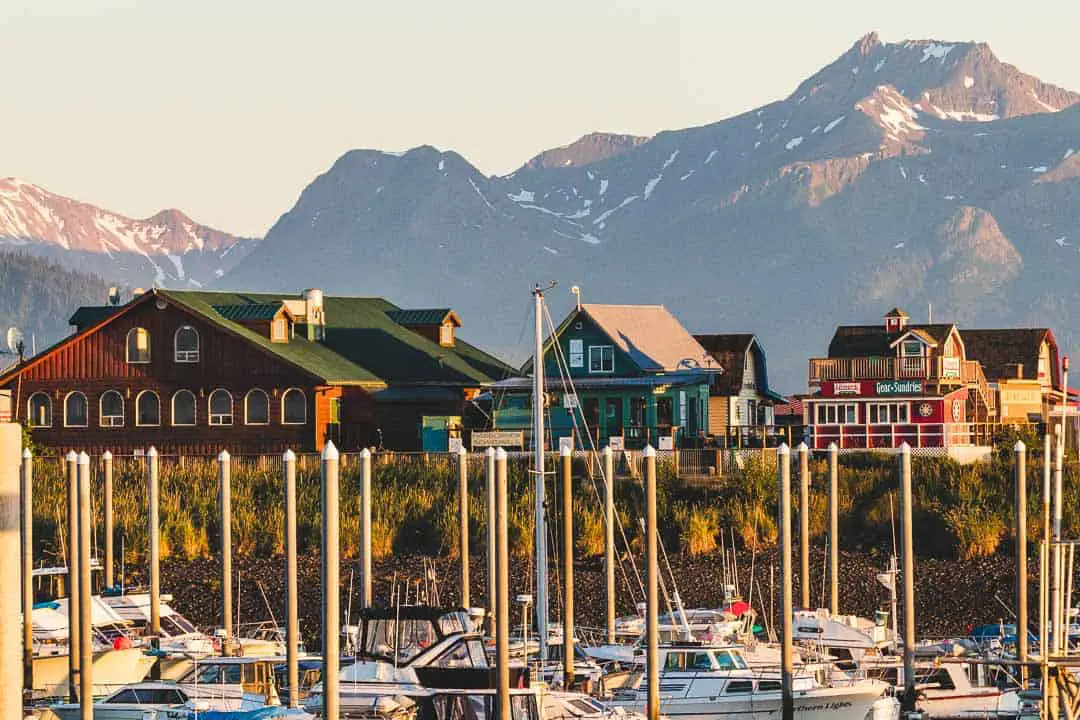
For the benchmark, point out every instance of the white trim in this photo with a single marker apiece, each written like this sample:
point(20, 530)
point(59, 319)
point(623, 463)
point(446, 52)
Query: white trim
point(86, 406)
point(138, 409)
point(102, 416)
point(186, 356)
point(127, 347)
point(912, 333)
point(30, 415)
point(284, 396)
point(194, 407)
point(210, 414)
point(247, 396)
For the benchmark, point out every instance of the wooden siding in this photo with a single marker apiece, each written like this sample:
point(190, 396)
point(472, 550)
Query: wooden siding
point(718, 413)
point(95, 363)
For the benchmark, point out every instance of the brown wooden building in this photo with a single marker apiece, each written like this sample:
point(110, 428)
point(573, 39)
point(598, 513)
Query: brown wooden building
point(198, 372)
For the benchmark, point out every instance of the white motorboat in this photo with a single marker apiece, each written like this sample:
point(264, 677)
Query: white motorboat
point(133, 702)
point(180, 642)
point(954, 688)
point(116, 661)
point(709, 683)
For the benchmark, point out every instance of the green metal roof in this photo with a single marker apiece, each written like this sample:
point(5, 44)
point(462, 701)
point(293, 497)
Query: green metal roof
point(363, 344)
point(248, 311)
point(425, 316)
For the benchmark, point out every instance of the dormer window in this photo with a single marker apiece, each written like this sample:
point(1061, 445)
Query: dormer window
point(446, 335)
point(911, 348)
point(279, 330)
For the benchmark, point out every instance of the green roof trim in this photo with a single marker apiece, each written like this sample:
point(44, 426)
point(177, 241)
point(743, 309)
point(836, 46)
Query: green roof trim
point(248, 311)
point(363, 344)
point(426, 316)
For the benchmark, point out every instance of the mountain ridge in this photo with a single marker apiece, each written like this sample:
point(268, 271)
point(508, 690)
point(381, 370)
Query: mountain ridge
point(167, 248)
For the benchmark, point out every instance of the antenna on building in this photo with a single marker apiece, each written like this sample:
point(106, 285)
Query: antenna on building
point(16, 345)
point(576, 292)
point(929, 313)
point(114, 295)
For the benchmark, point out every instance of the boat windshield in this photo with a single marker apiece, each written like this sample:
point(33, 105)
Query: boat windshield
point(730, 660)
point(463, 654)
point(148, 696)
point(399, 641)
point(173, 625)
point(224, 673)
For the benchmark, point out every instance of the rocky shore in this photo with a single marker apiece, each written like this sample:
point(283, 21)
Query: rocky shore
point(950, 594)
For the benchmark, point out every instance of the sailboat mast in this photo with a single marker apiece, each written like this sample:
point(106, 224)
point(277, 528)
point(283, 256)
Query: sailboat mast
point(540, 541)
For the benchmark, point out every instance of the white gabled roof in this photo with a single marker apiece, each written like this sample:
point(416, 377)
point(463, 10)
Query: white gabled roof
point(650, 335)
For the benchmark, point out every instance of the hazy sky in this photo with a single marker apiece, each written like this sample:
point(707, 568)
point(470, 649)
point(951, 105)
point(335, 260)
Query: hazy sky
point(226, 109)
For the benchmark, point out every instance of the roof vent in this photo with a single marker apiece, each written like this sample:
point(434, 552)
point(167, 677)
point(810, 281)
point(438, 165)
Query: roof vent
point(315, 314)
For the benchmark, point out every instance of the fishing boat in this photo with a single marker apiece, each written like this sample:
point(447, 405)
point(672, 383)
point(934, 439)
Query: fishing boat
point(710, 683)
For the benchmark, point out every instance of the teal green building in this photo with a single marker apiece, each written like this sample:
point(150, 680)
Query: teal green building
point(625, 375)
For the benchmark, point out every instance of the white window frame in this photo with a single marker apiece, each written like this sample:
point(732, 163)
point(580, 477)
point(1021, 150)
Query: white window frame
point(138, 409)
point(127, 347)
point(599, 349)
point(576, 353)
point(247, 398)
point(194, 407)
point(86, 404)
point(828, 413)
point(109, 421)
point(892, 412)
point(284, 396)
point(29, 410)
point(186, 356)
point(219, 419)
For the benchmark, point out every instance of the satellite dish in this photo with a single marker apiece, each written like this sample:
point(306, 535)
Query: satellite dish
point(15, 340)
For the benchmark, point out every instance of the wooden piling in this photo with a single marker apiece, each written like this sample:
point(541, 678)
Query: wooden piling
point(609, 539)
point(153, 495)
point(292, 623)
point(787, 663)
point(331, 570)
point(492, 550)
point(72, 553)
point(804, 524)
point(907, 700)
point(85, 628)
point(365, 529)
point(11, 661)
point(26, 499)
point(652, 568)
point(463, 523)
point(567, 461)
point(502, 590)
point(225, 512)
point(107, 511)
point(834, 530)
point(1020, 472)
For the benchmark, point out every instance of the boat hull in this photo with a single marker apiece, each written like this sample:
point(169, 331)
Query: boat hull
point(112, 669)
point(819, 704)
point(990, 704)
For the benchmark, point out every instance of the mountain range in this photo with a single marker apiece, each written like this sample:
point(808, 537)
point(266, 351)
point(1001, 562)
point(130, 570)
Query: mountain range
point(911, 173)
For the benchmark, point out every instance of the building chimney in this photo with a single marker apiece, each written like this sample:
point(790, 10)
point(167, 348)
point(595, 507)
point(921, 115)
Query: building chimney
point(1019, 371)
point(314, 314)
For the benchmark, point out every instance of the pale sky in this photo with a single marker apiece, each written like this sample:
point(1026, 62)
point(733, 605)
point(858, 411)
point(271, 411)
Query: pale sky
point(227, 109)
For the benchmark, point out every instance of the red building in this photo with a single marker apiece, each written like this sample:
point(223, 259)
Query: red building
point(883, 385)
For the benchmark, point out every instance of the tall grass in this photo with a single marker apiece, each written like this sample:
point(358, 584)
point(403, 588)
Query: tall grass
point(963, 511)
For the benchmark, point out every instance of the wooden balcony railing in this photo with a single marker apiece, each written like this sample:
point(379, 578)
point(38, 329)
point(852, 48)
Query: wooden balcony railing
point(895, 368)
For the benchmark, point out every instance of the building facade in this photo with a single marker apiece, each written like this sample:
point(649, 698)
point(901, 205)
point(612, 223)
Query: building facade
point(198, 372)
point(624, 375)
point(884, 385)
point(741, 405)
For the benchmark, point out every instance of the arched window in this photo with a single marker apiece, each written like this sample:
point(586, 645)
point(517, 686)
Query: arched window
point(186, 345)
point(111, 409)
point(293, 407)
point(75, 413)
point(256, 408)
point(39, 410)
point(183, 408)
point(147, 409)
point(220, 404)
point(138, 345)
